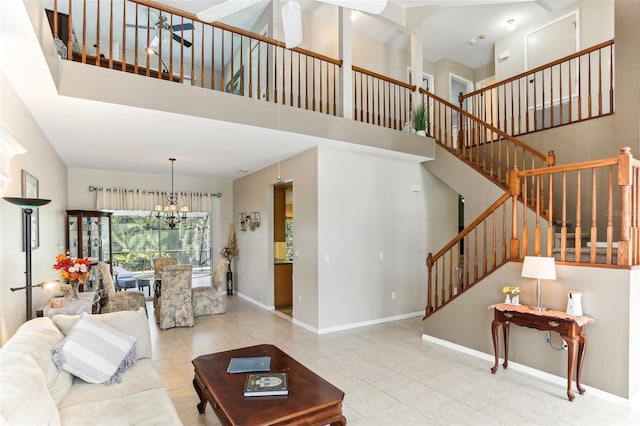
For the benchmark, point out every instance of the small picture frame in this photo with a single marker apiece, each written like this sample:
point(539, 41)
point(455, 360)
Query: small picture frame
point(30, 189)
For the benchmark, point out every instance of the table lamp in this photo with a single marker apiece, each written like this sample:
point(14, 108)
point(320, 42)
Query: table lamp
point(541, 268)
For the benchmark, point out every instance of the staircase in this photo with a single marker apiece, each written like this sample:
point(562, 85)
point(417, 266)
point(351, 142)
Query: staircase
point(556, 198)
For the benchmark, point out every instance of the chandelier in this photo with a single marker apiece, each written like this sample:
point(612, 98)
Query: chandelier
point(171, 213)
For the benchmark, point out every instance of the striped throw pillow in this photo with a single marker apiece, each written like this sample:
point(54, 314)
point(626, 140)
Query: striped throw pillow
point(95, 352)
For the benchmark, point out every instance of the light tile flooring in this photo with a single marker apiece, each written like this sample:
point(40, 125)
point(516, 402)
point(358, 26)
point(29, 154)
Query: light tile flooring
point(389, 375)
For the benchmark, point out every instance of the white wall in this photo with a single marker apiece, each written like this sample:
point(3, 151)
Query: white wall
point(367, 209)
point(596, 26)
point(80, 198)
point(42, 162)
point(351, 207)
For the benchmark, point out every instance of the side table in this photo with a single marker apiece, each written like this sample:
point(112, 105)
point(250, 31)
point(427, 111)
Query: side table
point(87, 301)
point(570, 329)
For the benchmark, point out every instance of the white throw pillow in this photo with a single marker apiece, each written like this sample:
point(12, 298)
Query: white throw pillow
point(95, 352)
point(133, 323)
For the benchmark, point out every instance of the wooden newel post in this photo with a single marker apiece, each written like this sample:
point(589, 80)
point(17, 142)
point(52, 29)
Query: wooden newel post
point(551, 159)
point(514, 190)
point(625, 254)
point(429, 308)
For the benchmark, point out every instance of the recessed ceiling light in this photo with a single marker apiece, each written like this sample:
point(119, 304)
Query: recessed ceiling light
point(482, 36)
point(511, 25)
point(472, 41)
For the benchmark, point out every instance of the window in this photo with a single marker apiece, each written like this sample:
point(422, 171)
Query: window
point(138, 238)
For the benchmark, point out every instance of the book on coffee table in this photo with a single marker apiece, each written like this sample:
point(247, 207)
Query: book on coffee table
point(266, 384)
point(249, 364)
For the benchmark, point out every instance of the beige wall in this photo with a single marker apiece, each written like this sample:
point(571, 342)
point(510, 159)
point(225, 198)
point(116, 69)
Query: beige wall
point(42, 162)
point(607, 297)
point(254, 267)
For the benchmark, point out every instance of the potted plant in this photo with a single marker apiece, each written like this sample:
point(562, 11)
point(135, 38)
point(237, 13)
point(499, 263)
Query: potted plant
point(419, 117)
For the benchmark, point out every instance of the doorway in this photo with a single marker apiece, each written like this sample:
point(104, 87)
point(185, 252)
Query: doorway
point(457, 85)
point(283, 247)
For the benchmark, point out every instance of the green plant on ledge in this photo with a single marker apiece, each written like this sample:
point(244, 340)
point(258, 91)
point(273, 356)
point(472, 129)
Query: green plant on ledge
point(419, 117)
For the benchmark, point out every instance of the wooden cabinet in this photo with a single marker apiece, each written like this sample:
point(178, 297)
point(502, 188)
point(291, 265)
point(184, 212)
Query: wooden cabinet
point(89, 235)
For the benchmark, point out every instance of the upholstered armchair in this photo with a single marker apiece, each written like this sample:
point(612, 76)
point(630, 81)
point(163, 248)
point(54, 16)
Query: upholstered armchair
point(158, 266)
point(123, 300)
point(173, 306)
point(212, 299)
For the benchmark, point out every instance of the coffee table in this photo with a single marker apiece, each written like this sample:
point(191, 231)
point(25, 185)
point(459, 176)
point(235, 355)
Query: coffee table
point(311, 400)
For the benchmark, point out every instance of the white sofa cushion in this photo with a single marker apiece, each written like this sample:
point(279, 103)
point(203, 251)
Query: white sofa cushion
point(31, 384)
point(139, 399)
point(95, 352)
point(36, 338)
point(134, 323)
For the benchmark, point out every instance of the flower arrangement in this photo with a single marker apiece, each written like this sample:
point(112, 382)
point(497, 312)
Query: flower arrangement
point(230, 251)
point(511, 295)
point(72, 271)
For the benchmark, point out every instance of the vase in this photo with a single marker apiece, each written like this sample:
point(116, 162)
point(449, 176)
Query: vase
point(74, 289)
point(507, 299)
point(229, 281)
point(515, 300)
point(421, 133)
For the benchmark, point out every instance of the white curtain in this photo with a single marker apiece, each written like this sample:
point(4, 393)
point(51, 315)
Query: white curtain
point(139, 199)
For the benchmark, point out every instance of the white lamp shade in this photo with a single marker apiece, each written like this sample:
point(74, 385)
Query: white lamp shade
point(539, 267)
point(292, 24)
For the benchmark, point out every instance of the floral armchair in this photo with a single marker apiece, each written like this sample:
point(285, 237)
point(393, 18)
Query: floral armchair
point(121, 301)
point(211, 299)
point(173, 306)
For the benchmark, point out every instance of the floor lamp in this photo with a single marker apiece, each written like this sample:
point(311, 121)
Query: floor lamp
point(27, 205)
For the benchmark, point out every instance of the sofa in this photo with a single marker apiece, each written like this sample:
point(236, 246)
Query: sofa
point(33, 391)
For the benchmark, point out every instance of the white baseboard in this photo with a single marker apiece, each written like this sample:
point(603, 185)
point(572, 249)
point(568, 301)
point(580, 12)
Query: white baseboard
point(331, 329)
point(370, 322)
point(552, 378)
point(255, 302)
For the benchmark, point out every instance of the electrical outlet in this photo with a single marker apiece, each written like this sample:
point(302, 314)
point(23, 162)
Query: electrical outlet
point(393, 295)
point(299, 299)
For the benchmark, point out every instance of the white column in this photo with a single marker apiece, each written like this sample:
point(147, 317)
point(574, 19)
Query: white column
point(344, 45)
point(416, 64)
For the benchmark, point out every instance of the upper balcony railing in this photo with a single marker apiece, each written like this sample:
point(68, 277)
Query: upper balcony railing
point(147, 38)
point(575, 88)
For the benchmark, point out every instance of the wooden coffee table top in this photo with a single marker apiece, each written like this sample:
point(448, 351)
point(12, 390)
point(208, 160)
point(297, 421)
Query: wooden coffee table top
point(311, 399)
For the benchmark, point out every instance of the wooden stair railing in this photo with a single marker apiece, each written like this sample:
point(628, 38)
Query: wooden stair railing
point(381, 100)
point(504, 232)
point(575, 88)
point(484, 147)
point(474, 253)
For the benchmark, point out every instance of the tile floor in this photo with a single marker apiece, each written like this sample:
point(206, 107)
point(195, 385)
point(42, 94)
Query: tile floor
point(389, 375)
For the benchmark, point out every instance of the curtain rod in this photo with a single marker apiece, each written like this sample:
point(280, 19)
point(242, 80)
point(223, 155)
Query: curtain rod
point(216, 194)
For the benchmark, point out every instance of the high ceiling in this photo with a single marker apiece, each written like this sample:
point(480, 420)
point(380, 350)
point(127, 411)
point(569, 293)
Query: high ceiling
point(448, 27)
point(69, 123)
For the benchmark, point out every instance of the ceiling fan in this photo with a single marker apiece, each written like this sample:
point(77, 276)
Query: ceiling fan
point(291, 14)
point(161, 23)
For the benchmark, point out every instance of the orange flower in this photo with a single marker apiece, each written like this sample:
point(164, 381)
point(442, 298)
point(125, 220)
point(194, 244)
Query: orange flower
point(72, 269)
